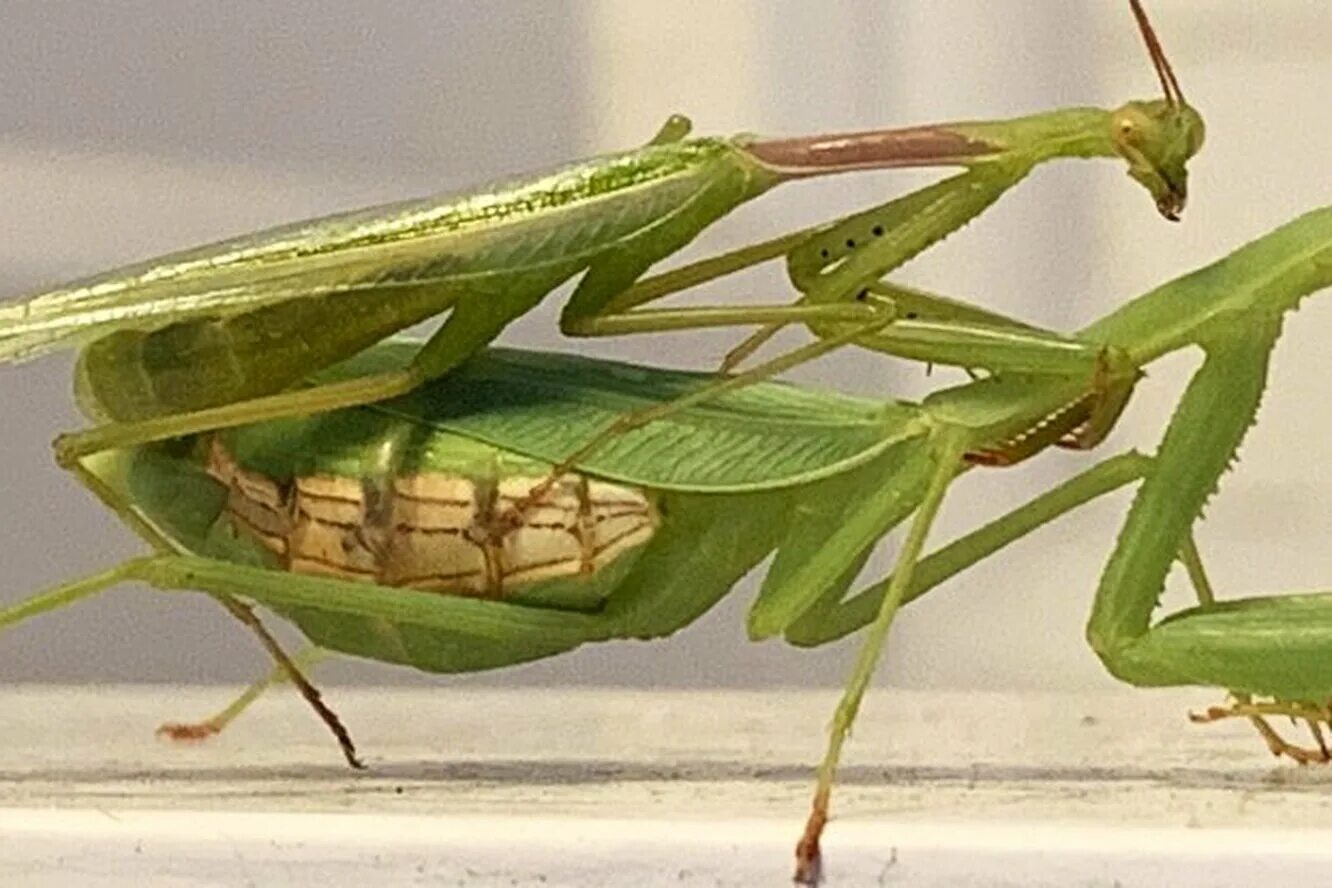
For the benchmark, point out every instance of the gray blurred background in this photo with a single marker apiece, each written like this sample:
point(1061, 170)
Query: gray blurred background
point(131, 129)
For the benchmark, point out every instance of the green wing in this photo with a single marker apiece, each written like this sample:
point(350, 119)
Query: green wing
point(550, 224)
point(546, 405)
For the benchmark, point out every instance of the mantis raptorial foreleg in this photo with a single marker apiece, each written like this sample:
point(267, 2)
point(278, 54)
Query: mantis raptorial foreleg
point(924, 327)
point(1314, 715)
point(1244, 706)
point(1224, 644)
point(1277, 647)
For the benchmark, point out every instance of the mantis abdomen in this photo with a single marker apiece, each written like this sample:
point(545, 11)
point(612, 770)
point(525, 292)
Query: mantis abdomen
point(453, 532)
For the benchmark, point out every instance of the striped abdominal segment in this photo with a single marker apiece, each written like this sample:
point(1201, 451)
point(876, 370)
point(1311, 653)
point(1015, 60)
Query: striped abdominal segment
point(435, 531)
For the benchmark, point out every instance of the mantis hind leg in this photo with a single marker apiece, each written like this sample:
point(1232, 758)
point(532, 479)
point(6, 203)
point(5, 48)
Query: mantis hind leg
point(163, 571)
point(948, 450)
point(304, 660)
point(100, 476)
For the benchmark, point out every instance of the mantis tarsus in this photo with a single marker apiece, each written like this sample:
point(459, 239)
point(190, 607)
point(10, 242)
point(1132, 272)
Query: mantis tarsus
point(224, 334)
point(859, 470)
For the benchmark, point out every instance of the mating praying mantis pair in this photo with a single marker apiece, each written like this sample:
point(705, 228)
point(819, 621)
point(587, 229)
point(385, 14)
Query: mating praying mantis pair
point(222, 338)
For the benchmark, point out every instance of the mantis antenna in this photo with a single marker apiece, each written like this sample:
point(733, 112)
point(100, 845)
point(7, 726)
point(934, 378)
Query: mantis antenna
point(1169, 85)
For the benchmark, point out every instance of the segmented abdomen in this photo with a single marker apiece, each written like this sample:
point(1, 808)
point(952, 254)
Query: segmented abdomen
point(436, 531)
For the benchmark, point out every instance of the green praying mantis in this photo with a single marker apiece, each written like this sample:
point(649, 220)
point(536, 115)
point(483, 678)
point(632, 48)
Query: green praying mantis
point(228, 334)
point(693, 500)
point(206, 340)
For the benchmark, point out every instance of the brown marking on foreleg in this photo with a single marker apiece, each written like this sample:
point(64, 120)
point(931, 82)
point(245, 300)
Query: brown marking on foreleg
point(1050, 429)
point(1113, 381)
point(1080, 424)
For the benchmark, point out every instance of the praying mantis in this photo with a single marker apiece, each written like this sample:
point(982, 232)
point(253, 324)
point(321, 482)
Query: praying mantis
point(867, 312)
point(817, 479)
point(227, 334)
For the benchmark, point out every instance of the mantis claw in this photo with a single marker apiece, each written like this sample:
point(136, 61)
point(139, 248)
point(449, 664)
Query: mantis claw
point(1257, 712)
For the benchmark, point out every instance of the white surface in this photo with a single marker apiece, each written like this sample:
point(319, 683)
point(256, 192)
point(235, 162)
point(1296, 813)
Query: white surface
point(587, 788)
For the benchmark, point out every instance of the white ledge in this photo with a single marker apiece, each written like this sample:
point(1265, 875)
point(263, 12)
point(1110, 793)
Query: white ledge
point(588, 787)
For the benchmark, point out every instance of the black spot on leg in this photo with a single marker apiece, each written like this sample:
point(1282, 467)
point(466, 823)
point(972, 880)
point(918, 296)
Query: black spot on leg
point(850, 243)
point(877, 231)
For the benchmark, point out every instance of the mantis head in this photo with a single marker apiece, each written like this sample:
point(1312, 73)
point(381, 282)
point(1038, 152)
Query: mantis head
point(1157, 138)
